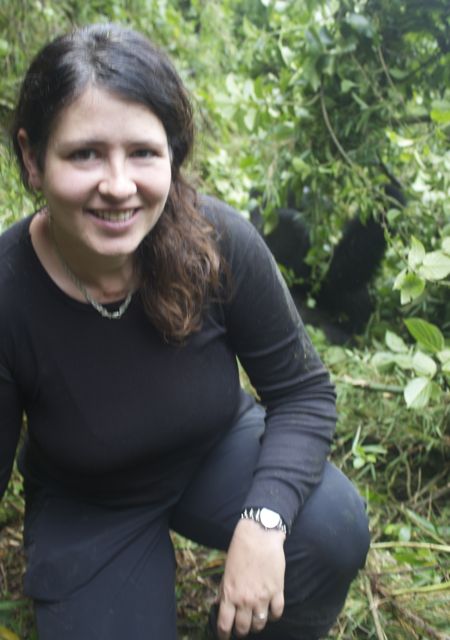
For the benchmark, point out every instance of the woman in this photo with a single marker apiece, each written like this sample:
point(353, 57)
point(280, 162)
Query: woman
point(124, 303)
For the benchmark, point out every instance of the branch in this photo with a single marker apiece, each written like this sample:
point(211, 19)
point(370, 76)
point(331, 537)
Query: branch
point(370, 386)
point(326, 118)
point(442, 548)
point(412, 617)
point(429, 588)
point(374, 610)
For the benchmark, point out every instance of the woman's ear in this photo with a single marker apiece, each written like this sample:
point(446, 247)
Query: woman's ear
point(29, 160)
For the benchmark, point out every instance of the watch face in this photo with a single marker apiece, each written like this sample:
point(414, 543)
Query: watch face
point(269, 518)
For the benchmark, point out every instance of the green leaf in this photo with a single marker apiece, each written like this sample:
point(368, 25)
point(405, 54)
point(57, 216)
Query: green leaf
point(404, 534)
point(4, 47)
point(358, 463)
point(249, 119)
point(440, 111)
point(411, 286)
point(395, 343)
point(403, 360)
point(446, 246)
point(417, 393)
point(426, 334)
point(360, 24)
point(400, 141)
point(435, 266)
point(424, 365)
point(416, 253)
point(444, 356)
point(347, 85)
point(383, 359)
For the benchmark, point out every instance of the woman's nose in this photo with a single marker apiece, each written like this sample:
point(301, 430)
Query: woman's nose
point(117, 184)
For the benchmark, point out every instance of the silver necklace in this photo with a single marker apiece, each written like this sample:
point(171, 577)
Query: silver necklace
point(102, 310)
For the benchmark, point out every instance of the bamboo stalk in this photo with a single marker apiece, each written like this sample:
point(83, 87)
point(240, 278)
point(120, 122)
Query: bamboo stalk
point(430, 588)
point(443, 548)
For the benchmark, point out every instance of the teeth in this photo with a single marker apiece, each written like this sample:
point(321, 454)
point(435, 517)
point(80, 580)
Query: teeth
point(114, 216)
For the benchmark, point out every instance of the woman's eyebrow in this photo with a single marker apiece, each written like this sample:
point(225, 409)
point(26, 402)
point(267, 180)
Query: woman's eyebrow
point(96, 142)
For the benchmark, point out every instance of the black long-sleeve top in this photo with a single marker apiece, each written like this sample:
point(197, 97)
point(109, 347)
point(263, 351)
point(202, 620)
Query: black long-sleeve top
point(116, 414)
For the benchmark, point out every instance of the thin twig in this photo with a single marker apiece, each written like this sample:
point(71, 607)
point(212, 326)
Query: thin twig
point(374, 610)
point(412, 617)
point(370, 386)
point(434, 495)
point(429, 588)
point(385, 68)
point(334, 137)
point(443, 548)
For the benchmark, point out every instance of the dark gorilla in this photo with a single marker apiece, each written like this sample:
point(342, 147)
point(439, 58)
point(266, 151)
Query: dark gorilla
point(343, 302)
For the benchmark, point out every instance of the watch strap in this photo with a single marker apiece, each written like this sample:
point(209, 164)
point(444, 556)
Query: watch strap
point(255, 514)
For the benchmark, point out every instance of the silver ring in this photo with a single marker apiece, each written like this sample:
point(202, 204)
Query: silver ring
point(260, 616)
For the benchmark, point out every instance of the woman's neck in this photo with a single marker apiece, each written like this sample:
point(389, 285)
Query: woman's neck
point(106, 278)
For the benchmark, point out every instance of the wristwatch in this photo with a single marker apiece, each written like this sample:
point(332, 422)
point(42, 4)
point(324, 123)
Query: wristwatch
point(268, 519)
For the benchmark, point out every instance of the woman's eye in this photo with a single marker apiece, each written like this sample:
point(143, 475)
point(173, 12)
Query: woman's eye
point(84, 154)
point(144, 153)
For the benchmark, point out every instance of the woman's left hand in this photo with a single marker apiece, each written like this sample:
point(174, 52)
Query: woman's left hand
point(252, 586)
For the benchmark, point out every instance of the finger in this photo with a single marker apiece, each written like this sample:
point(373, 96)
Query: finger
point(276, 606)
point(259, 619)
point(225, 620)
point(243, 622)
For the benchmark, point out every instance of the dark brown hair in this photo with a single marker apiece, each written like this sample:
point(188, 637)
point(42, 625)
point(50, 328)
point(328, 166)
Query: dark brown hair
point(178, 260)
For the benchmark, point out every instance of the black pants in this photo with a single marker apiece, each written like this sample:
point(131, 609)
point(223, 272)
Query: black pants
point(98, 573)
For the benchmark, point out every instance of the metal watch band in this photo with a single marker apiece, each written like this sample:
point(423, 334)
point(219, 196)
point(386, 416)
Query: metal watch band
point(259, 515)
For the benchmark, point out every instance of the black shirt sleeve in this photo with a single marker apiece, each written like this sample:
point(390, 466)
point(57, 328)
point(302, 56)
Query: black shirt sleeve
point(11, 421)
point(268, 337)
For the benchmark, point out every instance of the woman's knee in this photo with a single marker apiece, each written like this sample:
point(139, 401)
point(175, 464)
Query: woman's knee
point(333, 526)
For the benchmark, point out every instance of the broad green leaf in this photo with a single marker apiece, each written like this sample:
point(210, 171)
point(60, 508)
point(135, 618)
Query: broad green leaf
point(446, 246)
point(417, 393)
point(444, 356)
point(403, 360)
point(400, 141)
point(404, 534)
point(424, 365)
point(358, 462)
point(335, 355)
point(398, 74)
point(411, 286)
point(395, 343)
point(383, 359)
point(4, 47)
point(426, 334)
point(249, 118)
point(435, 266)
point(440, 111)
point(347, 85)
point(361, 24)
point(416, 253)
point(287, 54)
point(398, 283)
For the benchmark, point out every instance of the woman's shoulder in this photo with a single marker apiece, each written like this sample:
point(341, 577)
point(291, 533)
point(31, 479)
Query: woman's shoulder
point(13, 236)
point(13, 243)
point(232, 227)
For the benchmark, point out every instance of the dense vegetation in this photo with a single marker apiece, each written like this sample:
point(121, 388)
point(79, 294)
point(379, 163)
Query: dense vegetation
point(319, 105)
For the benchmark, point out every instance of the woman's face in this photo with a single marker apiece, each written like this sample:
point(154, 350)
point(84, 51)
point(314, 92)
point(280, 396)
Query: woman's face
point(106, 175)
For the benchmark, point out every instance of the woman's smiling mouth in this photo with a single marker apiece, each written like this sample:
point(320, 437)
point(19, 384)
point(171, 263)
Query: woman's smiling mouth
point(113, 215)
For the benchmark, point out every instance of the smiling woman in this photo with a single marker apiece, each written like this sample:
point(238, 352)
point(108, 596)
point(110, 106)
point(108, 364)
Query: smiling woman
point(125, 303)
point(101, 108)
point(106, 178)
